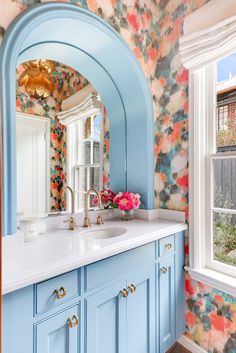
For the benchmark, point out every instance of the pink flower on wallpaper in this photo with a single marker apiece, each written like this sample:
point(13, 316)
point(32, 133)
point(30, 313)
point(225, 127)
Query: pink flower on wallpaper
point(132, 19)
point(182, 76)
point(152, 53)
point(145, 19)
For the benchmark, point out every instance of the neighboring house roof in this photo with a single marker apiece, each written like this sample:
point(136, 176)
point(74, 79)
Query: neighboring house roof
point(227, 85)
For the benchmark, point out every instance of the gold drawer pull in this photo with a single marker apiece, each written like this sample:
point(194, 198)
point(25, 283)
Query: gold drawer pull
point(73, 321)
point(60, 293)
point(132, 288)
point(168, 246)
point(163, 269)
point(124, 292)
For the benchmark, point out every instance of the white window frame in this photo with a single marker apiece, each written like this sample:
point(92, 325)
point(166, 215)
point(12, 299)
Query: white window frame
point(209, 34)
point(202, 128)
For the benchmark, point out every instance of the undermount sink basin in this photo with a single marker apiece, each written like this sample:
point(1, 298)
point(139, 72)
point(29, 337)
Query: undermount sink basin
point(105, 233)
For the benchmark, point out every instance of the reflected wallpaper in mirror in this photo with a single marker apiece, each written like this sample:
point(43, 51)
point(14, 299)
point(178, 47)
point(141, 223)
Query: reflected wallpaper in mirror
point(62, 139)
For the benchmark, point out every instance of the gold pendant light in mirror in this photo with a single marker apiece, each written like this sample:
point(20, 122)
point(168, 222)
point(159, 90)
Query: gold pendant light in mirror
point(37, 78)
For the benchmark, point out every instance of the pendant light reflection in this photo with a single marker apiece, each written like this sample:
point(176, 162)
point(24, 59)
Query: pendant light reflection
point(37, 78)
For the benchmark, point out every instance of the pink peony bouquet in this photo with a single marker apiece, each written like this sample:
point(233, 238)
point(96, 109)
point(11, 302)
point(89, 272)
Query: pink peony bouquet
point(127, 200)
point(107, 197)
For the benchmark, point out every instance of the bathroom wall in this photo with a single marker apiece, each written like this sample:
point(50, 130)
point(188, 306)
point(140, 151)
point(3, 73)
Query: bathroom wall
point(152, 29)
point(67, 82)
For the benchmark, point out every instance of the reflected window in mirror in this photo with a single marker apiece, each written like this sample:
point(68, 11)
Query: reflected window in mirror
point(85, 145)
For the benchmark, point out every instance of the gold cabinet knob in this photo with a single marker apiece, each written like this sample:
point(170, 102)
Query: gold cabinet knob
point(124, 293)
point(163, 269)
point(60, 293)
point(132, 288)
point(168, 246)
point(73, 321)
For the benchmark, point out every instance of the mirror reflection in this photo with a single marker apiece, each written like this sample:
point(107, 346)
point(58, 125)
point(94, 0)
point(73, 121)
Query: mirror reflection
point(62, 133)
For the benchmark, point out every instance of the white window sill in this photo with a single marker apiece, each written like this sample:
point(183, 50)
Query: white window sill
point(214, 279)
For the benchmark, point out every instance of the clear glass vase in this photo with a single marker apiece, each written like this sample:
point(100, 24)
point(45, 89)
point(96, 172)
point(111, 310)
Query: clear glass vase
point(127, 215)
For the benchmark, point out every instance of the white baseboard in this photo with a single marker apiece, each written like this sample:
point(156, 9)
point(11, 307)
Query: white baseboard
point(190, 345)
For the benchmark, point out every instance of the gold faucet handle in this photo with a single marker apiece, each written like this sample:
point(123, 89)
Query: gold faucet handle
point(87, 222)
point(72, 223)
point(99, 220)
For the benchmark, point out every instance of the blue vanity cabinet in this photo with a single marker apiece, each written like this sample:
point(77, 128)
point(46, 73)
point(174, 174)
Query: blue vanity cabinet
point(105, 330)
point(141, 312)
point(166, 274)
point(60, 333)
point(130, 302)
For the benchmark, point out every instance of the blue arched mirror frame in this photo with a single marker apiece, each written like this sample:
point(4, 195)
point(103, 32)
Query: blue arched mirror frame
point(80, 39)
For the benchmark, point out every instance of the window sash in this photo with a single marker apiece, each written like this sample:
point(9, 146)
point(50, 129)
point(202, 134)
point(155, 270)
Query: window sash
point(211, 263)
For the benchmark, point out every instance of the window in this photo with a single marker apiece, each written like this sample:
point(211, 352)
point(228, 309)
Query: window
point(205, 41)
point(85, 155)
point(213, 170)
point(221, 171)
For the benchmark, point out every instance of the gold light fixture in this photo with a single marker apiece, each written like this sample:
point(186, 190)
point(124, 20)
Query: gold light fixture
point(37, 78)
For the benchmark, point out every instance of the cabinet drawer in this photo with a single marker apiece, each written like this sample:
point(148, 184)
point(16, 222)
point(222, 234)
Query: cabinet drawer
point(113, 267)
point(56, 290)
point(166, 245)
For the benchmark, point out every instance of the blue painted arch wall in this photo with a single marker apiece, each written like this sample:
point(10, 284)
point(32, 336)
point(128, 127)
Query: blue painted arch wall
point(78, 38)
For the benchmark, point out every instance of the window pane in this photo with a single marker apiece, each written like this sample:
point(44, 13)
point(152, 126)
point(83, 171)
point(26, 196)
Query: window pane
point(95, 178)
point(96, 152)
point(224, 238)
point(85, 153)
point(80, 200)
point(97, 127)
point(86, 126)
point(224, 183)
point(226, 103)
point(81, 179)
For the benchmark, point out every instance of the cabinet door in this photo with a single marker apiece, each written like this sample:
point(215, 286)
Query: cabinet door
point(58, 334)
point(166, 303)
point(179, 285)
point(141, 336)
point(106, 321)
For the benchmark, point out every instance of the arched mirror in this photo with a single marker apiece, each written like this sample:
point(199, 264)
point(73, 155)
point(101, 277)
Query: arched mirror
point(62, 138)
point(64, 34)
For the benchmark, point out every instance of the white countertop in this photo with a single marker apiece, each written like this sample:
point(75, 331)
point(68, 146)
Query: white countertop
point(59, 250)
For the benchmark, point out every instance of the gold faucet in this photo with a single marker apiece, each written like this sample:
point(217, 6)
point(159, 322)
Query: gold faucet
point(71, 220)
point(86, 216)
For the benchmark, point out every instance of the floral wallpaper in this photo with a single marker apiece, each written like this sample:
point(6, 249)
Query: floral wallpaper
point(210, 317)
point(152, 29)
